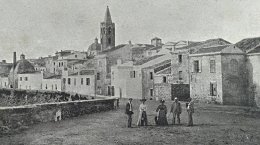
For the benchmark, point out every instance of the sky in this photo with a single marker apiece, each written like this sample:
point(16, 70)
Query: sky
point(41, 27)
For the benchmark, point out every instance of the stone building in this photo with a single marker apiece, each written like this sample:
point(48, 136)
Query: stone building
point(22, 66)
point(218, 74)
point(253, 61)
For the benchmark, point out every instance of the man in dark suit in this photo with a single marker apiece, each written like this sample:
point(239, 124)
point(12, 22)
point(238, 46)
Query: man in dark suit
point(129, 112)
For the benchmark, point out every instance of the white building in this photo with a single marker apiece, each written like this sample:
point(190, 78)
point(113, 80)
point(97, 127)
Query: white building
point(30, 81)
point(52, 83)
point(82, 82)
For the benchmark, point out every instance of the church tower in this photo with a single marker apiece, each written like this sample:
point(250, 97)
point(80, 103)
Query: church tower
point(107, 32)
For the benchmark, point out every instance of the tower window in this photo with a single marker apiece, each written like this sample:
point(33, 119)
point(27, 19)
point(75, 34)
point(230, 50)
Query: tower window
point(109, 41)
point(109, 30)
point(180, 58)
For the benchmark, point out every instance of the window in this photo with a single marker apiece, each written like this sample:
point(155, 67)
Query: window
point(164, 79)
point(180, 58)
point(26, 78)
point(99, 63)
point(76, 56)
point(46, 87)
point(108, 90)
point(132, 74)
point(213, 89)
point(5, 84)
point(56, 88)
point(109, 30)
point(53, 63)
point(64, 80)
point(196, 66)
point(98, 76)
point(52, 87)
point(62, 63)
point(75, 82)
point(112, 91)
point(151, 92)
point(59, 64)
point(234, 65)
point(68, 81)
point(87, 81)
point(151, 75)
point(81, 81)
point(180, 75)
point(21, 78)
point(212, 66)
point(109, 41)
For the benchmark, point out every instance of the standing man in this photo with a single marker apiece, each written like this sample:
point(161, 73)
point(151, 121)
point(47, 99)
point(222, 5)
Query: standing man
point(176, 110)
point(129, 112)
point(190, 110)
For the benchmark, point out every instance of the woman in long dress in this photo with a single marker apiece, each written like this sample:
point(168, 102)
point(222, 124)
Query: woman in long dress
point(162, 114)
point(142, 119)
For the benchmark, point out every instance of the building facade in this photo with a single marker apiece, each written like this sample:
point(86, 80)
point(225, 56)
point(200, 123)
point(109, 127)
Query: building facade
point(218, 74)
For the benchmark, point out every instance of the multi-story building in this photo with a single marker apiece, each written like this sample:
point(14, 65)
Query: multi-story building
point(219, 74)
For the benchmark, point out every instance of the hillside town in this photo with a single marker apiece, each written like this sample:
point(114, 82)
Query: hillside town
point(133, 72)
point(213, 70)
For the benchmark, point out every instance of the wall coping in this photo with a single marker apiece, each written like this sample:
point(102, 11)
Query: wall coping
point(54, 103)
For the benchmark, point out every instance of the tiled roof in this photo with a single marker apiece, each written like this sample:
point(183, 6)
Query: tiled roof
point(165, 71)
point(84, 72)
point(54, 77)
point(146, 59)
point(113, 48)
point(156, 48)
point(248, 43)
point(211, 49)
point(255, 50)
point(207, 43)
point(156, 38)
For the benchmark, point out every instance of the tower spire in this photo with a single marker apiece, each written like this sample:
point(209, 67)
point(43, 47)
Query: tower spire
point(108, 18)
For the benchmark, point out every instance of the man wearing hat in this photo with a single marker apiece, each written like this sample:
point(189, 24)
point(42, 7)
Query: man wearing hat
point(129, 112)
point(176, 110)
point(142, 119)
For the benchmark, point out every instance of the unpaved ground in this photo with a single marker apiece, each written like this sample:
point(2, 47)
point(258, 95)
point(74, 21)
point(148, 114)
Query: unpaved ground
point(213, 125)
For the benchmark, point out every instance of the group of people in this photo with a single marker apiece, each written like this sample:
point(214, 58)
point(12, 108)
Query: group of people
point(161, 117)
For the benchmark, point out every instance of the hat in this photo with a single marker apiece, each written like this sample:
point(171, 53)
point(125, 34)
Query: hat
point(130, 98)
point(143, 100)
point(175, 98)
point(162, 101)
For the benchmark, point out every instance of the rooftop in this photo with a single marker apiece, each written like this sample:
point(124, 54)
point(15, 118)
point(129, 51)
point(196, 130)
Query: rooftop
point(255, 50)
point(211, 49)
point(146, 59)
point(248, 43)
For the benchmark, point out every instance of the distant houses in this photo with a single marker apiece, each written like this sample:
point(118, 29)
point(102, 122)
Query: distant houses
point(213, 70)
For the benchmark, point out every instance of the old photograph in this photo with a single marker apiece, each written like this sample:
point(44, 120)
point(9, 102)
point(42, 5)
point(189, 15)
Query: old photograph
point(129, 72)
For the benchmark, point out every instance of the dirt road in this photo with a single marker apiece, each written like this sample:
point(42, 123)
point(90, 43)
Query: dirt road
point(214, 124)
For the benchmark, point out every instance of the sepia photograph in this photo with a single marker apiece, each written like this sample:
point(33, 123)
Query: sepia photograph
point(129, 72)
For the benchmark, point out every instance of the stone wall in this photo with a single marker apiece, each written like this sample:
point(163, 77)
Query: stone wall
point(23, 116)
point(26, 97)
point(162, 91)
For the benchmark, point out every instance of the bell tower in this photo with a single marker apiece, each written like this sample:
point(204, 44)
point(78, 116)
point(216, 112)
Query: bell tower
point(107, 32)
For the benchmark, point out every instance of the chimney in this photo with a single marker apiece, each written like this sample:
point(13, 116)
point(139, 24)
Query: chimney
point(14, 59)
point(3, 61)
point(130, 43)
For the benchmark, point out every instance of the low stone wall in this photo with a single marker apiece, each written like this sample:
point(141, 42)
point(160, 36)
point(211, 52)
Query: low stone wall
point(22, 116)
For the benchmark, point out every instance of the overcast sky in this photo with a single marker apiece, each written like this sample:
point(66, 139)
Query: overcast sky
point(42, 27)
